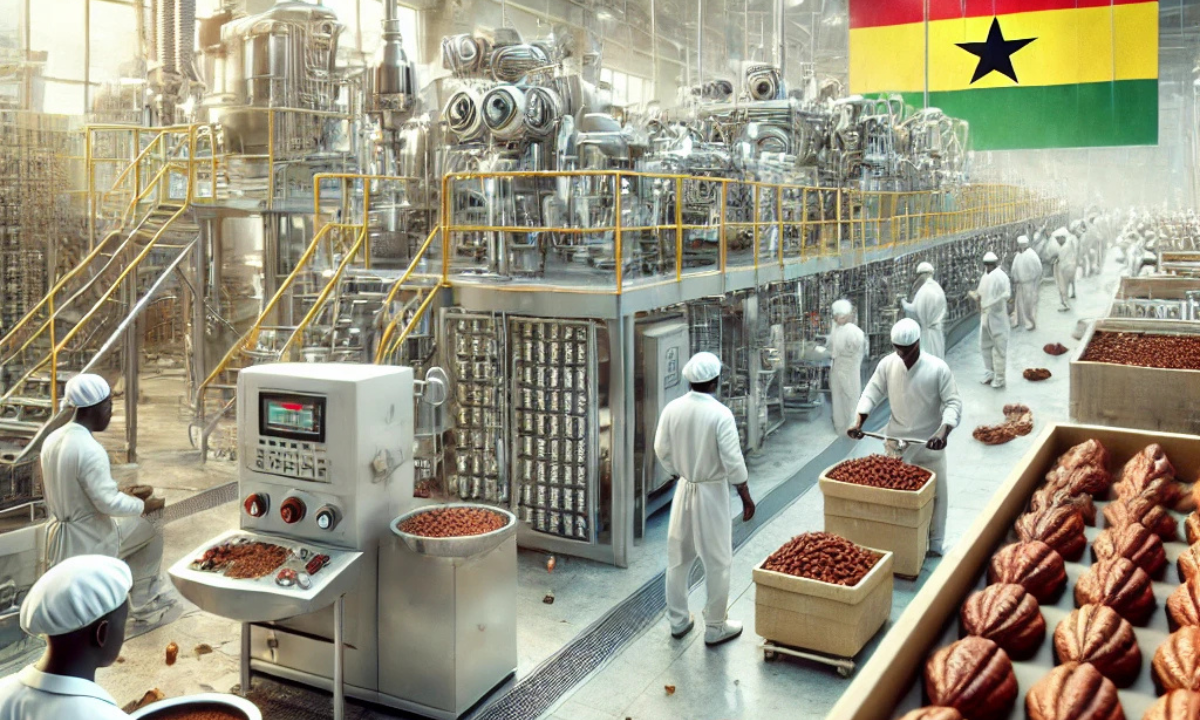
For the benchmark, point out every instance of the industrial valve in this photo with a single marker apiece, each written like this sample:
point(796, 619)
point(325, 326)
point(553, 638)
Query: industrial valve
point(292, 511)
point(257, 504)
point(328, 517)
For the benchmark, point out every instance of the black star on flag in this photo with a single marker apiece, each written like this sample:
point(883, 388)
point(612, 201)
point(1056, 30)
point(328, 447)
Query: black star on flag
point(995, 55)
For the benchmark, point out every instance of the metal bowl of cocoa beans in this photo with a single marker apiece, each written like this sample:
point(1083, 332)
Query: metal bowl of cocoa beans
point(205, 706)
point(457, 531)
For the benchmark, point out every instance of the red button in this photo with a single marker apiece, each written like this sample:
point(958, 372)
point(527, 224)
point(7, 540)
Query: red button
point(256, 505)
point(292, 510)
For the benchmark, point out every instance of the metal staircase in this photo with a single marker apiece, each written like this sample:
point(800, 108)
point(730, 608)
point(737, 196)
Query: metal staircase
point(335, 306)
point(79, 326)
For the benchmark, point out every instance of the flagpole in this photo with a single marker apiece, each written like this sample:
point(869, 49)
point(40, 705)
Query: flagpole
point(926, 53)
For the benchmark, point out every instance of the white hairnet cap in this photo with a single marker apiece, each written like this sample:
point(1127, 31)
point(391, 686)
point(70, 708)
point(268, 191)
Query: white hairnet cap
point(991, 258)
point(842, 307)
point(1023, 240)
point(86, 390)
point(74, 594)
point(703, 366)
point(925, 268)
point(906, 332)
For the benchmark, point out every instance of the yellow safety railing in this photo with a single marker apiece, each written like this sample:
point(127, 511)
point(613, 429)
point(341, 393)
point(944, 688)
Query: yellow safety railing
point(383, 349)
point(160, 181)
point(744, 224)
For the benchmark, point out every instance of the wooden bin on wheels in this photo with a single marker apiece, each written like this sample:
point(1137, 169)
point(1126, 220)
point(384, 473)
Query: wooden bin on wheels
point(893, 520)
point(833, 620)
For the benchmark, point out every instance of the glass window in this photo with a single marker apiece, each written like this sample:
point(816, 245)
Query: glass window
point(635, 91)
point(619, 88)
point(58, 29)
point(62, 98)
point(114, 40)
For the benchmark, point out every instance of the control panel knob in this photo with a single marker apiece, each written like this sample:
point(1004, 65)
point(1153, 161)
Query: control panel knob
point(257, 504)
point(327, 517)
point(292, 510)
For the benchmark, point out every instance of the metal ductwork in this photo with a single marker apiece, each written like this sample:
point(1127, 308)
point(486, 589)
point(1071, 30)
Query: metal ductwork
point(185, 37)
point(166, 34)
point(393, 86)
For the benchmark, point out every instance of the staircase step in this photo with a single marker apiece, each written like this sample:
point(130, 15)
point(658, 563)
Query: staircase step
point(26, 401)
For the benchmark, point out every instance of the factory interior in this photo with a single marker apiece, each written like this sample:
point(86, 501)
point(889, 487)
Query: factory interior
point(526, 243)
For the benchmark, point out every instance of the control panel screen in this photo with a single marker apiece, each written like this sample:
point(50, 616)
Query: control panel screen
point(297, 417)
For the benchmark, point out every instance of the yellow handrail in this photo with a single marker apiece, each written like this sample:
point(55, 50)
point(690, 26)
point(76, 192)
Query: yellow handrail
point(395, 290)
point(50, 319)
point(325, 292)
point(412, 324)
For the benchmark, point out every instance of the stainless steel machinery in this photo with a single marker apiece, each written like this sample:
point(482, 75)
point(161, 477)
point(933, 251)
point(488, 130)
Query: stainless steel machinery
point(325, 464)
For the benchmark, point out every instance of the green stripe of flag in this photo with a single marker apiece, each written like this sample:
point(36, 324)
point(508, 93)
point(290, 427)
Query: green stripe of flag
point(1056, 116)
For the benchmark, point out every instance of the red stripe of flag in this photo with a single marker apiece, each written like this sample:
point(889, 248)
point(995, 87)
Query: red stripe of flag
point(876, 13)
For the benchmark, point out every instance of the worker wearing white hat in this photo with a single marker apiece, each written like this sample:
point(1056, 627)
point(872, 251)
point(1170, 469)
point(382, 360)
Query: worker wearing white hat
point(1027, 281)
point(925, 403)
point(1066, 265)
point(697, 441)
point(992, 295)
point(928, 308)
point(89, 515)
point(80, 606)
point(847, 344)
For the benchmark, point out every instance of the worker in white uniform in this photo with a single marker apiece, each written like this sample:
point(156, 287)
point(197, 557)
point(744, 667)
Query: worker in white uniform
point(80, 606)
point(697, 440)
point(992, 295)
point(1066, 266)
point(924, 401)
point(89, 515)
point(1027, 281)
point(928, 308)
point(847, 345)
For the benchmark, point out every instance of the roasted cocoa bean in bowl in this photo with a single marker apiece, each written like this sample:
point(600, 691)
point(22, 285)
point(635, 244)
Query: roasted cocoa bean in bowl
point(453, 522)
point(881, 471)
point(823, 557)
point(197, 712)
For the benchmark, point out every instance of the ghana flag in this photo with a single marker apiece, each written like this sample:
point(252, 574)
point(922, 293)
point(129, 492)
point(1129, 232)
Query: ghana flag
point(1025, 73)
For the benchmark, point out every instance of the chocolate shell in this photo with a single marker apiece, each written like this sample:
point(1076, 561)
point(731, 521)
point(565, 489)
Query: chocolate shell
point(1033, 565)
point(1192, 528)
point(1142, 510)
point(1177, 661)
point(1147, 466)
point(1090, 479)
point(1096, 634)
point(1119, 584)
point(1074, 691)
point(973, 676)
point(1189, 563)
point(1089, 452)
point(1175, 705)
point(1008, 615)
point(1135, 543)
point(933, 712)
point(1050, 496)
point(1061, 528)
point(1183, 607)
point(1161, 491)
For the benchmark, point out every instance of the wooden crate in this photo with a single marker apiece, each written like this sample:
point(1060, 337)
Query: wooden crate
point(1135, 397)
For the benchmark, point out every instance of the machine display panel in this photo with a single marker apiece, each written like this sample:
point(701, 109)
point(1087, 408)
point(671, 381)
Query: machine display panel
point(296, 417)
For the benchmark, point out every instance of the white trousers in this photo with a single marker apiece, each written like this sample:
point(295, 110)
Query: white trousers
point(1065, 279)
point(1026, 298)
point(935, 462)
point(845, 388)
point(933, 341)
point(701, 526)
point(994, 347)
point(142, 551)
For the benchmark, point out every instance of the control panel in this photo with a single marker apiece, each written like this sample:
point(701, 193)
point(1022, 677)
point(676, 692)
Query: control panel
point(293, 459)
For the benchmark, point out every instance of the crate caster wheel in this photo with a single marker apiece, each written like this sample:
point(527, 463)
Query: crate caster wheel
point(769, 653)
point(845, 671)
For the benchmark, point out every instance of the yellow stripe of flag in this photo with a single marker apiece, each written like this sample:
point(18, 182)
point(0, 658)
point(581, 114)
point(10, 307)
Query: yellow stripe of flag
point(1085, 45)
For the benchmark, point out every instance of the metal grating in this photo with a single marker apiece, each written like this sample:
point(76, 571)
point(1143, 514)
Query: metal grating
point(201, 501)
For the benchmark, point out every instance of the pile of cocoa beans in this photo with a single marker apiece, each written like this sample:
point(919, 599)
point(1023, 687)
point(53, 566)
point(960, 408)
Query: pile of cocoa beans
point(1171, 352)
point(453, 522)
point(823, 557)
point(881, 471)
point(1037, 374)
point(1055, 349)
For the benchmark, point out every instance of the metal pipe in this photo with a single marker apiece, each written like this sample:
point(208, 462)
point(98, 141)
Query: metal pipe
point(245, 657)
point(781, 38)
point(700, 45)
point(339, 670)
point(87, 56)
point(654, 48)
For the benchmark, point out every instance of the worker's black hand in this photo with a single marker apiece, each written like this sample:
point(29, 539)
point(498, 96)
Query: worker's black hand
point(154, 504)
point(937, 442)
point(856, 432)
point(748, 508)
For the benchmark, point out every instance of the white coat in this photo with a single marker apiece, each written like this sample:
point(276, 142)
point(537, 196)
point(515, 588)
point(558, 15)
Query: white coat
point(1027, 279)
point(697, 440)
point(81, 496)
point(1066, 266)
point(34, 695)
point(847, 345)
point(928, 308)
point(994, 292)
point(922, 399)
